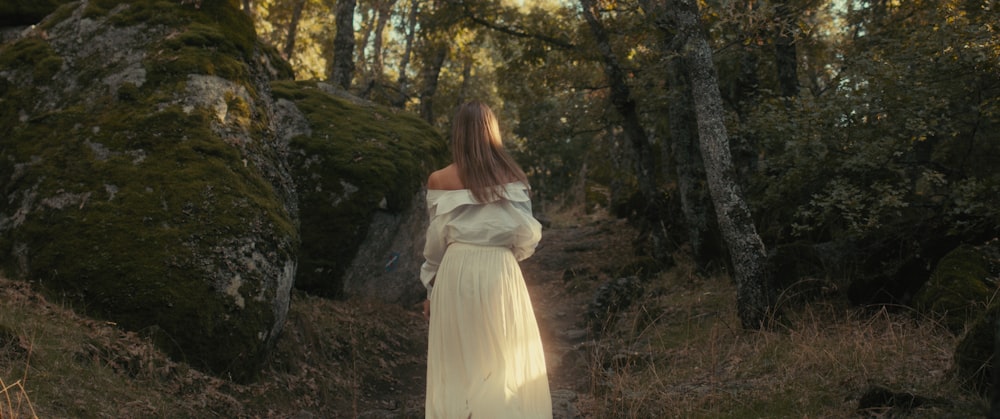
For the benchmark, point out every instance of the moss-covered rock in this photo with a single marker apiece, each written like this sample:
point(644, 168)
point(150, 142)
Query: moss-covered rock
point(141, 178)
point(977, 350)
point(974, 353)
point(352, 162)
point(957, 288)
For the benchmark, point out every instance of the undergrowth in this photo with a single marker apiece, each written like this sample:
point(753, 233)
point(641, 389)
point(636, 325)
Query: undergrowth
point(676, 351)
point(336, 360)
point(681, 352)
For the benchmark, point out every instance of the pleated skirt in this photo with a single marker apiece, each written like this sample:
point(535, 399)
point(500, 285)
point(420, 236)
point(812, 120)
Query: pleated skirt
point(485, 356)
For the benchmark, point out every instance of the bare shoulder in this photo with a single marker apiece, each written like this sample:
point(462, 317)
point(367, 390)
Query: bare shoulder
point(445, 179)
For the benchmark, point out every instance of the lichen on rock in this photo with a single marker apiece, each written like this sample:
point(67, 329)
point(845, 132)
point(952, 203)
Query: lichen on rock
point(150, 177)
point(137, 193)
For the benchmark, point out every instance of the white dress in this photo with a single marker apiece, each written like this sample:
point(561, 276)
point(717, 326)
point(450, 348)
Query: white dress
point(485, 356)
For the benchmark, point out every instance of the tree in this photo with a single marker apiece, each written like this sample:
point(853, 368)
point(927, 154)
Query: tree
point(341, 69)
point(293, 28)
point(430, 73)
point(621, 99)
point(785, 55)
point(690, 170)
point(747, 251)
point(402, 80)
point(384, 8)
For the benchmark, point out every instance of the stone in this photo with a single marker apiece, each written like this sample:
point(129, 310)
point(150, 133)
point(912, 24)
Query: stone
point(160, 169)
point(142, 181)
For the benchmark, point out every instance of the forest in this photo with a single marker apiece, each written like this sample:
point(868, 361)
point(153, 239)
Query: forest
point(848, 140)
point(803, 146)
point(769, 163)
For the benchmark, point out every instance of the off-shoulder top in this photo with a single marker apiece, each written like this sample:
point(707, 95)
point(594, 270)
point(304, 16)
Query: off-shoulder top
point(456, 216)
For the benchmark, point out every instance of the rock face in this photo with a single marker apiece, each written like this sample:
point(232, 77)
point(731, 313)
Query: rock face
point(154, 173)
point(359, 170)
point(142, 179)
point(386, 266)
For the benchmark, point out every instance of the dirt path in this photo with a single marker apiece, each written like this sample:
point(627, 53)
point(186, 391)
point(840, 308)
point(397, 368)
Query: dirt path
point(570, 263)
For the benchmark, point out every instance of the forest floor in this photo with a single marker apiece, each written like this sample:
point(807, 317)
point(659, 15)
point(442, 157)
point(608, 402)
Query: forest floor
point(668, 345)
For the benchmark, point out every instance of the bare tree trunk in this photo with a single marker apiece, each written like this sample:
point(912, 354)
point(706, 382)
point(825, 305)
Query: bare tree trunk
point(367, 26)
point(621, 161)
point(753, 291)
point(785, 55)
point(384, 12)
point(342, 66)
point(293, 28)
point(381, 11)
point(404, 62)
point(463, 87)
point(621, 99)
point(430, 73)
point(696, 204)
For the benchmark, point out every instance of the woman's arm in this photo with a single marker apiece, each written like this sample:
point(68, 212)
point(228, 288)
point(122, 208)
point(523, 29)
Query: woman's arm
point(528, 234)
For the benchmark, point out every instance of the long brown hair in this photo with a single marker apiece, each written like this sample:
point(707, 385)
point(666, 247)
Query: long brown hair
point(477, 150)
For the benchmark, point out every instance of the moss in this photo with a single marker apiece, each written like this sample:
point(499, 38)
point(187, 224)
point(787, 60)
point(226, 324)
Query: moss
point(215, 39)
point(33, 52)
point(148, 193)
point(133, 257)
point(384, 154)
point(956, 288)
point(58, 15)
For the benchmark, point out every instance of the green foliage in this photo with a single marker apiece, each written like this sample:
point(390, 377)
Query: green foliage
point(358, 159)
point(893, 143)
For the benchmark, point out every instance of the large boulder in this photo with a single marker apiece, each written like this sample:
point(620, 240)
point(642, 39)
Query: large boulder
point(977, 350)
point(386, 266)
point(141, 178)
point(359, 170)
point(958, 288)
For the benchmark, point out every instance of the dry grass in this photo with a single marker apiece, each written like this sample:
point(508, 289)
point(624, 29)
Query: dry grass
point(683, 354)
point(677, 352)
point(337, 360)
point(17, 403)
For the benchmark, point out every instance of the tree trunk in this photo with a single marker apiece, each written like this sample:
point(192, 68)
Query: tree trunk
point(342, 66)
point(695, 202)
point(430, 73)
point(404, 61)
point(785, 55)
point(367, 26)
point(621, 99)
point(293, 28)
point(753, 291)
point(463, 87)
point(384, 12)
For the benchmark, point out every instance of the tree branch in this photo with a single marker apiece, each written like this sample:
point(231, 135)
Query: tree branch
point(518, 33)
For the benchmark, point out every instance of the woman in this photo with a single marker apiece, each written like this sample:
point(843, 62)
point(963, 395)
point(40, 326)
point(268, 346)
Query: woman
point(485, 357)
